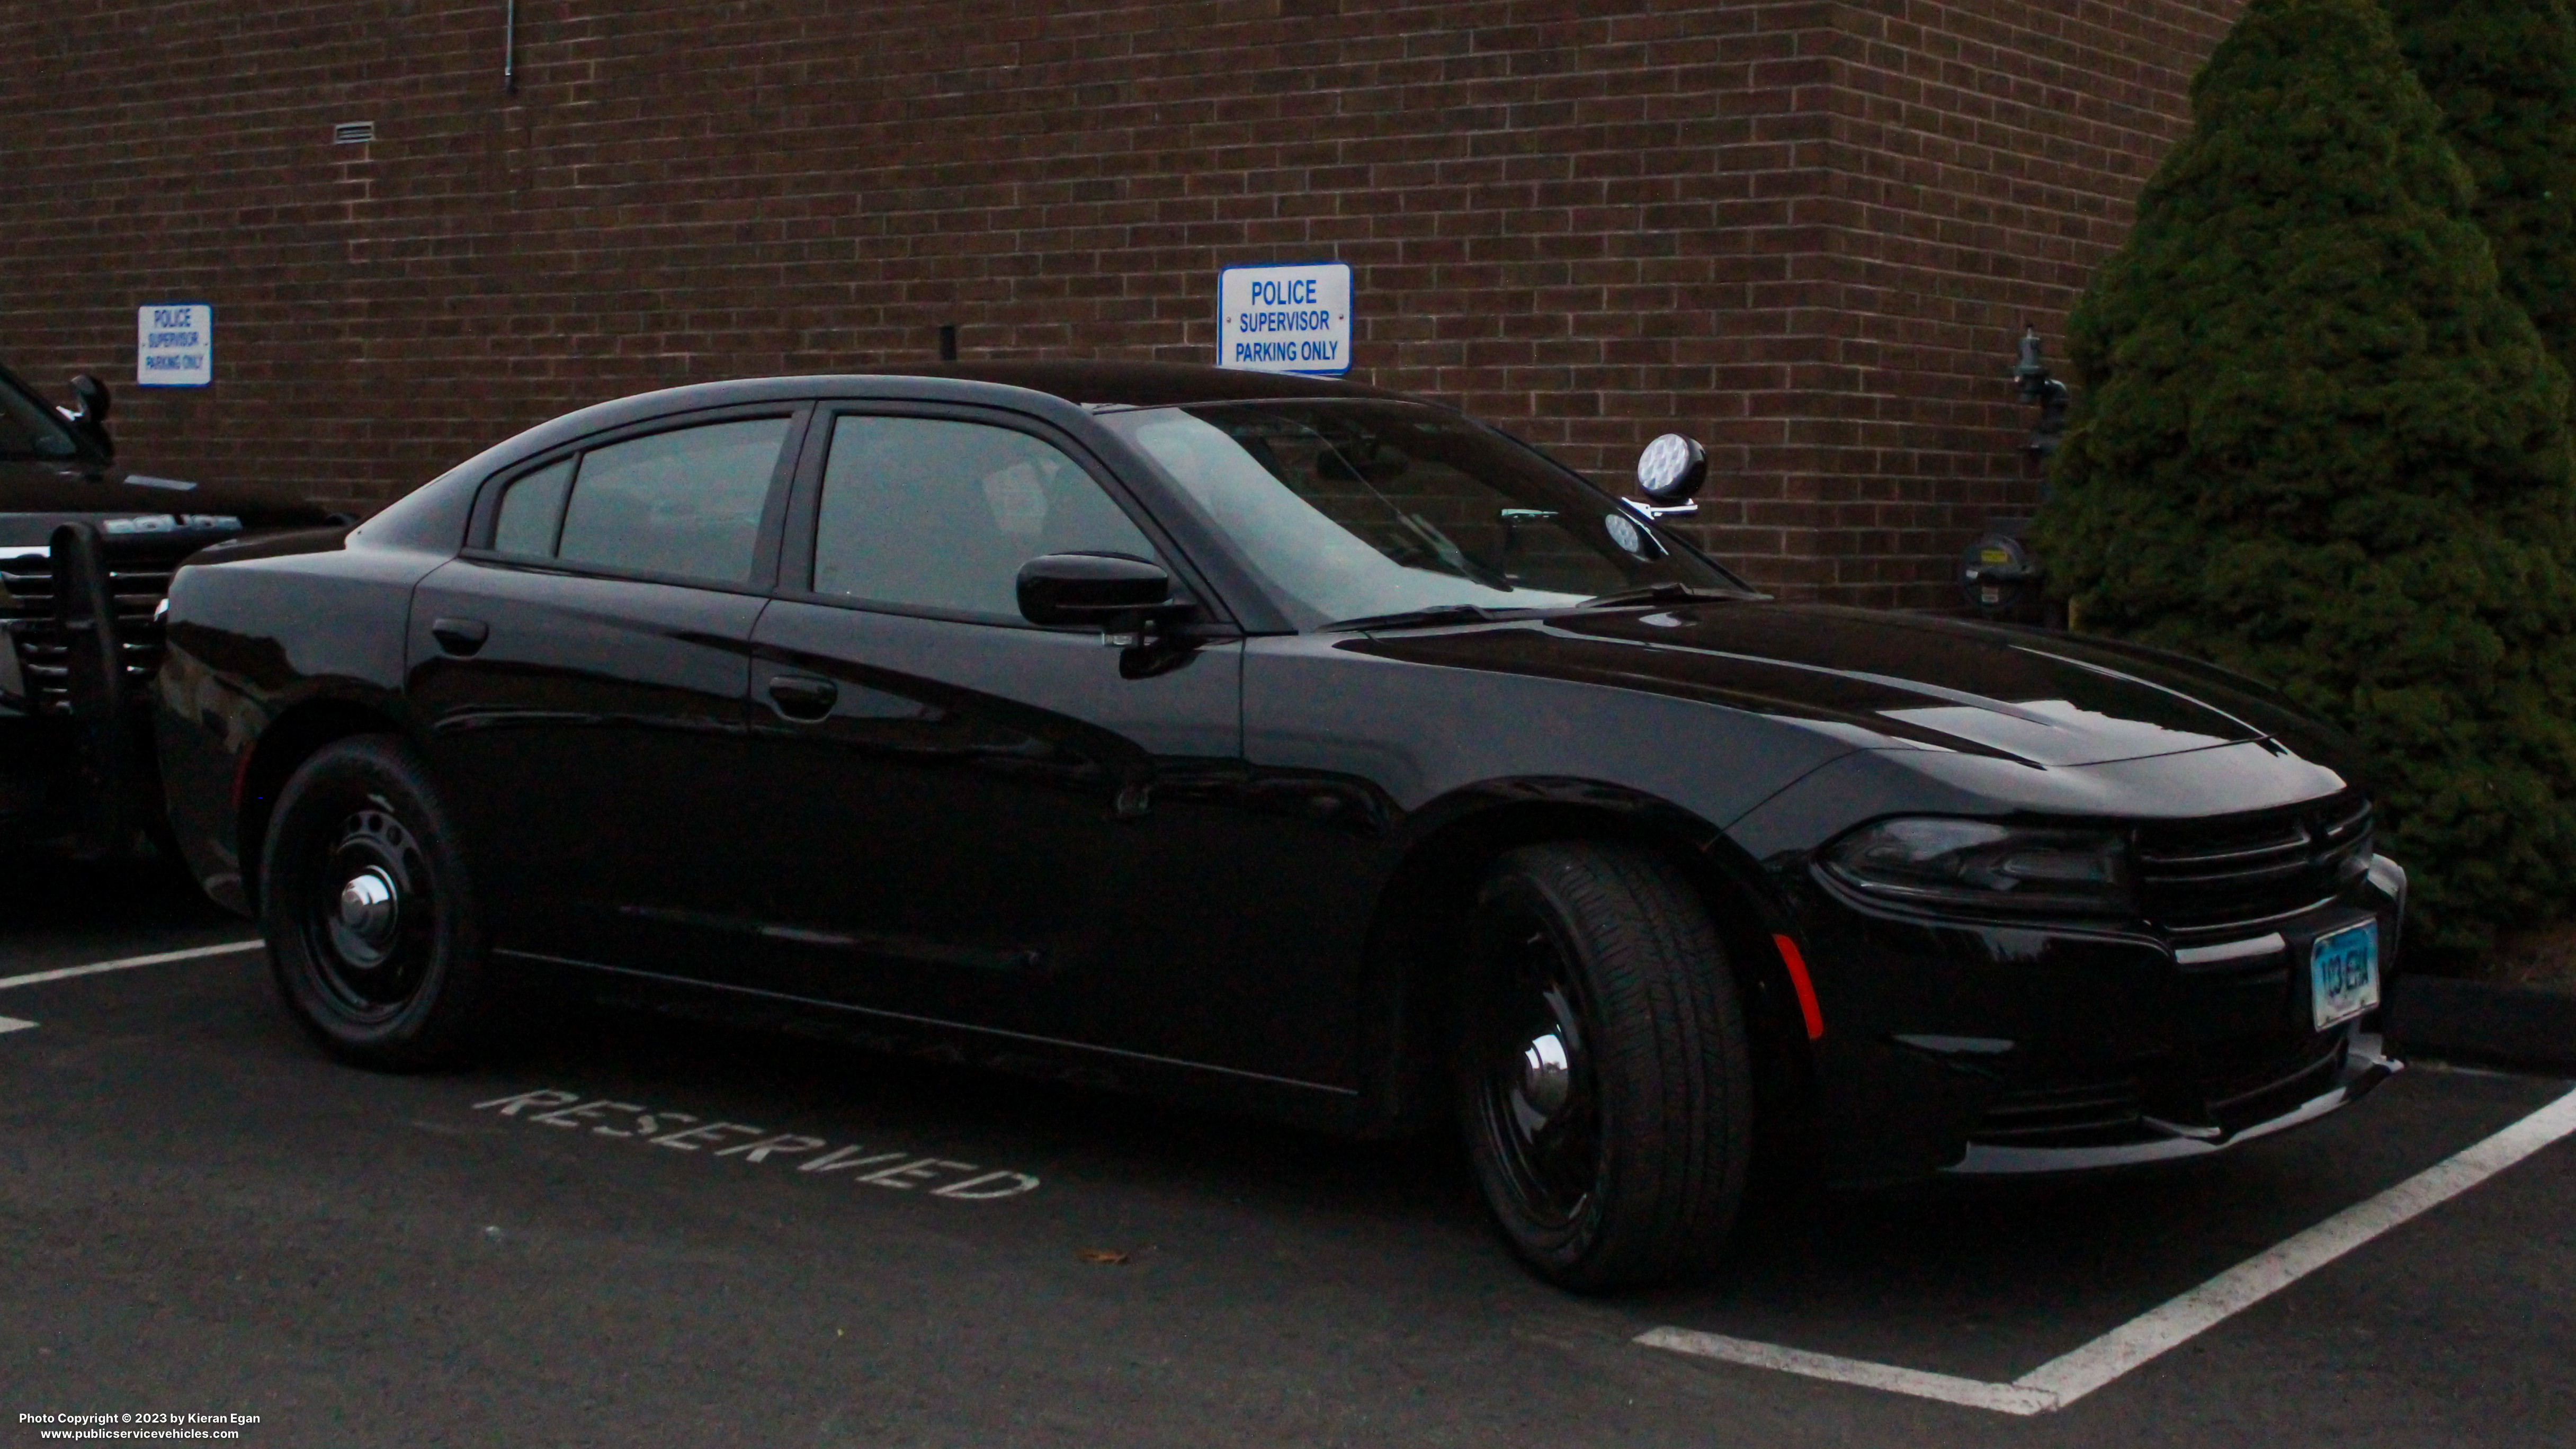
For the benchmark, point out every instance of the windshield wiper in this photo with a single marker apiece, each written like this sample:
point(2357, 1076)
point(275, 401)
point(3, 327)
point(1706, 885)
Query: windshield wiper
point(1432, 617)
point(1453, 559)
point(1667, 592)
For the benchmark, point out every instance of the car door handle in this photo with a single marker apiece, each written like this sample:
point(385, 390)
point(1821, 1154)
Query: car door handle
point(801, 696)
point(460, 636)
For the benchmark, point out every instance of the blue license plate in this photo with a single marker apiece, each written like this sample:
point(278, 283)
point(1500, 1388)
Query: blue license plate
point(2343, 974)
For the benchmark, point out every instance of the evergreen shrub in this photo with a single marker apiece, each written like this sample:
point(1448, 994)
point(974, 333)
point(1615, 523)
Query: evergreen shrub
point(2314, 442)
point(2503, 74)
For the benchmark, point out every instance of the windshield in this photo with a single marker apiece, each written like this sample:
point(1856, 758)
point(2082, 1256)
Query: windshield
point(1363, 508)
point(28, 428)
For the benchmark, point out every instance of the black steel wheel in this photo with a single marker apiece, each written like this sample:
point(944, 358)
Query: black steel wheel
point(370, 920)
point(1603, 1072)
point(1536, 1102)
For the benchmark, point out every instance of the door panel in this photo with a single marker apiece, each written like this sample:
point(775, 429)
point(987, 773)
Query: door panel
point(993, 826)
point(593, 741)
point(592, 724)
point(973, 820)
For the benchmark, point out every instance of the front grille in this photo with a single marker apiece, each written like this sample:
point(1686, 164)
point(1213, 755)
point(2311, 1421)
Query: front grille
point(2261, 1080)
point(2236, 870)
point(2226, 1085)
point(2064, 1113)
point(27, 613)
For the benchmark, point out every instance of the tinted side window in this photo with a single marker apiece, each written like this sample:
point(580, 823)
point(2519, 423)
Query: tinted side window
point(532, 511)
point(937, 514)
point(684, 502)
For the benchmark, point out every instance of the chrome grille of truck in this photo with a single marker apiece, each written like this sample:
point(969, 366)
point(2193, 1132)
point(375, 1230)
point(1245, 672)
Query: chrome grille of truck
point(27, 612)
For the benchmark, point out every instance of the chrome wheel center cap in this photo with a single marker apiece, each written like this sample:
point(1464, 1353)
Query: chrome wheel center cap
point(370, 906)
point(1547, 1076)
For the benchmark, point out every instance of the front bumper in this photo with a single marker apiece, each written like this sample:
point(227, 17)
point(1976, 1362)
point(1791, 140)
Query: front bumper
point(1986, 1048)
point(2362, 1066)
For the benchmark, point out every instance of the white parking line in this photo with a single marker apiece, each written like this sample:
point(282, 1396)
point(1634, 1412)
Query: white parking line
point(62, 973)
point(1950, 1389)
point(9, 1024)
point(2068, 1377)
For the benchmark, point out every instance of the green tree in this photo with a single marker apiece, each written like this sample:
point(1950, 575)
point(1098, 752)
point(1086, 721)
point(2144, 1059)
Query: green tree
point(2503, 73)
point(2313, 441)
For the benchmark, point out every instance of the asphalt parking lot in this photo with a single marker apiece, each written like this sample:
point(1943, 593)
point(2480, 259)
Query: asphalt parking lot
point(637, 1229)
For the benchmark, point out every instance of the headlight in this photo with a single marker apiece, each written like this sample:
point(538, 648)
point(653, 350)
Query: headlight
point(1985, 866)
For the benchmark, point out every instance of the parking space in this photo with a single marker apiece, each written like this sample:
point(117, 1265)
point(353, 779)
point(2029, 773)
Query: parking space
point(643, 1229)
point(1989, 1281)
point(55, 915)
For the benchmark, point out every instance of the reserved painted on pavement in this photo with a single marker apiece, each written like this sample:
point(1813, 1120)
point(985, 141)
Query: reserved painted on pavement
point(683, 1132)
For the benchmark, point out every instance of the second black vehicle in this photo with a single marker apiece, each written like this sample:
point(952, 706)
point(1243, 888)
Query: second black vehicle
point(1284, 743)
point(86, 550)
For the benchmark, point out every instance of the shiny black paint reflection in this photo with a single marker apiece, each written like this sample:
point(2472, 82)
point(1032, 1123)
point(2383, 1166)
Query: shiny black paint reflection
point(1923, 682)
point(595, 744)
point(265, 659)
point(994, 793)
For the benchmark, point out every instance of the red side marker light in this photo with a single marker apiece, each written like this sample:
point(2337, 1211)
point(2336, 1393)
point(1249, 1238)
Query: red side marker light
point(1806, 988)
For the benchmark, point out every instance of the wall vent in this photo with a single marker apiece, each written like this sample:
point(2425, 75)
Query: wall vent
point(353, 133)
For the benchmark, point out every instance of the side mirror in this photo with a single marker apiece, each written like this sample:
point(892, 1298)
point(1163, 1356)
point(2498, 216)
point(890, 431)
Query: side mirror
point(1671, 469)
point(1100, 590)
point(93, 397)
point(89, 419)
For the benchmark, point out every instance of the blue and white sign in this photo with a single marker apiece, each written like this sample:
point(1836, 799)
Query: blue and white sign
point(174, 344)
point(1292, 318)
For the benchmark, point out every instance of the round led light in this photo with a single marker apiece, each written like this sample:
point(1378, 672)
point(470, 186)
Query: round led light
point(1672, 468)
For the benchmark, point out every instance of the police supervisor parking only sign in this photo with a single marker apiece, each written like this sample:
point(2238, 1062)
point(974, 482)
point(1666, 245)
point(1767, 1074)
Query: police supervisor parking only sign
point(174, 344)
point(1292, 318)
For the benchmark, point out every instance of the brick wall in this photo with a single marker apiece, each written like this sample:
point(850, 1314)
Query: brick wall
point(1806, 232)
point(1988, 154)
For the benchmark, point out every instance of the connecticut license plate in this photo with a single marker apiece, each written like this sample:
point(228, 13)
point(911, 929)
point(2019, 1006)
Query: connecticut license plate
point(2343, 974)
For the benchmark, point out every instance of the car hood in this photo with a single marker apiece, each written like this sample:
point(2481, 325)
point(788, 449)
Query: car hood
point(1887, 680)
point(37, 497)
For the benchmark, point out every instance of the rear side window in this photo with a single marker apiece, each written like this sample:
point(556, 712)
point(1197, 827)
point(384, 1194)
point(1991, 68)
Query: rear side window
point(685, 502)
point(532, 511)
point(935, 514)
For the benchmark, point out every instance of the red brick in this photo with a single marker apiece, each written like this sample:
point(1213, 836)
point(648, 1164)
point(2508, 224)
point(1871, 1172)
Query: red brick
point(1809, 232)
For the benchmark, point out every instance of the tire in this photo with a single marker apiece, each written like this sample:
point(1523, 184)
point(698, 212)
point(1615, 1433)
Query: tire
point(1603, 1075)
point(371, 922)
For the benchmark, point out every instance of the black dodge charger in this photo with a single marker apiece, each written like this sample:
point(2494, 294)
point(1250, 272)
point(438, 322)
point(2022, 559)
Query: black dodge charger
point(1289, 744)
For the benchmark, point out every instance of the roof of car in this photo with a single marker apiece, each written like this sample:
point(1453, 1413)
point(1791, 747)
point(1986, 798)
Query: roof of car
point(1137, 384)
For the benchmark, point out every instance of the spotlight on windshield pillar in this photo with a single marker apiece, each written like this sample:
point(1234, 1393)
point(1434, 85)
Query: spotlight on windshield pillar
point(2032, 380)
point(1671, 469)
point(948, 342)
